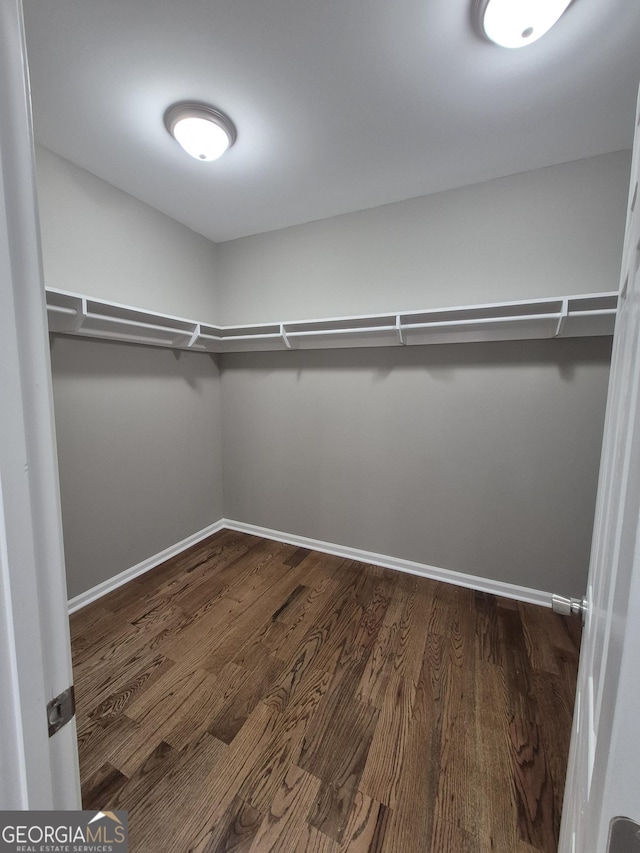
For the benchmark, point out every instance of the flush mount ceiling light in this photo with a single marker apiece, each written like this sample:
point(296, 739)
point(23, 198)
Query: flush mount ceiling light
point(517, 23)
point(203, 132)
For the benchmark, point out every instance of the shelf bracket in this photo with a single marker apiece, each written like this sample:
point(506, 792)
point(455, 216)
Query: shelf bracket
point(400, 331)
point(563, 317)
point(194, 336)
point(81, 315)
point(283, 335)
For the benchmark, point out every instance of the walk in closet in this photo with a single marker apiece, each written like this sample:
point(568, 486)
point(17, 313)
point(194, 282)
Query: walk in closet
point(441, 436)
point(328, 411)
point(447, 441)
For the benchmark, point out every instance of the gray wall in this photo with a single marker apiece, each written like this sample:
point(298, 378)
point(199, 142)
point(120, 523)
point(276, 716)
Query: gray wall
point(478, 458)
point(550, 232)
point(481, 458)
point(138, 433)
point(99, 241)
point(138, 428)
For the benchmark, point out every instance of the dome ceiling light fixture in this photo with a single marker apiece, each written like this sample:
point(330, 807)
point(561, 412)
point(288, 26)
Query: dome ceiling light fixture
point(204, 132)
point(517, 23)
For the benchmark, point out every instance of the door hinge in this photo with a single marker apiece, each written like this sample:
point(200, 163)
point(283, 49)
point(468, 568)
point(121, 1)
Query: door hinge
point(61, 709)
point(569, 606)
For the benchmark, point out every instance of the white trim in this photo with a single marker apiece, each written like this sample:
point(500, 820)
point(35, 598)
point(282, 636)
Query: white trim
point(14, 790)
point(507, 590)
point(39, 772)
point(127, 575)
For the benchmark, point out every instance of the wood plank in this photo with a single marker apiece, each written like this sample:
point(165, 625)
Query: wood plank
point(311, 663)
point(201, 572)
point(233, 578)
point(335, 750)
point(375, 678)
point(489, 647)
point(145, 778)
point(233, 714)
point(312, 840)
point(457, 802)
point(298, 694)
point(406, 827)
point(330, 581)
point(225, 779)
point(383, 769)
point(449, 836)
point(542, 656)
point(180, 788)
point(298, 556)
point(250, 695)
point(281, 827)
point(555, 698)
point(517, 667)
point(100, 788)
point(537, 818)
point(366, 827)
point(178, 707)
point(122, 642)
point(374, 602)
point(497, 822)
point(236, 829)
point(85, 621)
point(195, 642)
point(97, 744)
point(198, 716)
point(271, 763)
point(131, 738)
point(337, 740)
point(96, 635)
point(523, 847)
point(125, 690)
point(160, 808)
point(255, 610)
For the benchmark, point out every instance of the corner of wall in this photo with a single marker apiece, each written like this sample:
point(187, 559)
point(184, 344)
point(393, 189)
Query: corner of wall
point(100, 241)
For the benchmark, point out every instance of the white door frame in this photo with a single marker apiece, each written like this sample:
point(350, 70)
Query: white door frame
point(603, 776)
point(38, 771)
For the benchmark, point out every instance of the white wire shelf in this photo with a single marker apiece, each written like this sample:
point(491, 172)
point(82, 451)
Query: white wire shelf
point(563, 317)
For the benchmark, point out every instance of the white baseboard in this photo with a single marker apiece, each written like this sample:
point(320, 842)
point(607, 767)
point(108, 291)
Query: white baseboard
point(110, 584)
point(507, 590)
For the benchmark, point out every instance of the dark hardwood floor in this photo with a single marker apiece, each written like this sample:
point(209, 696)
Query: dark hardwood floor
point(251, 696)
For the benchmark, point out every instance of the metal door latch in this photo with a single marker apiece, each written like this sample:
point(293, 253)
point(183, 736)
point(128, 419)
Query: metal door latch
point(61, 709)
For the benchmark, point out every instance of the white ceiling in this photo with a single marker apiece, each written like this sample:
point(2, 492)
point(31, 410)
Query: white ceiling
point(340, 105)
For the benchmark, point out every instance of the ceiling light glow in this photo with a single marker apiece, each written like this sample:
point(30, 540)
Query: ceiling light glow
point(204, 132)
point(517, 23)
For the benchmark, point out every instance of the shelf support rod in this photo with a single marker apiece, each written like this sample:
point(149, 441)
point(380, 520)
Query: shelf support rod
point(399, 330)
point(283, 335)
point(78, 313)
